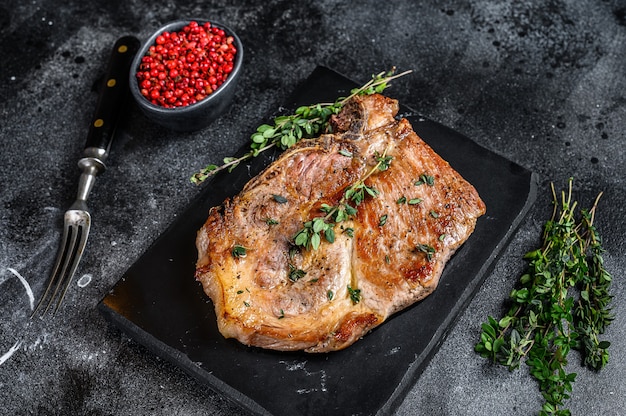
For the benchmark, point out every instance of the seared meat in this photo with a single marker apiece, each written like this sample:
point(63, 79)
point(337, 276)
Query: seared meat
point(389, 255)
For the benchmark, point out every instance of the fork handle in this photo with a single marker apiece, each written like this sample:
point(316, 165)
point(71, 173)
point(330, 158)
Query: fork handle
point(113, 94)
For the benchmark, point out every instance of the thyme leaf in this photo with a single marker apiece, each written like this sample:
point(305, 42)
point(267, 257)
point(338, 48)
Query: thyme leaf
point(355, 294)
point(383, 161)
point(426, 249)
point(238, 251)
point(425, 179)
point(279, 198)
point(295, 274)
point(383, 220)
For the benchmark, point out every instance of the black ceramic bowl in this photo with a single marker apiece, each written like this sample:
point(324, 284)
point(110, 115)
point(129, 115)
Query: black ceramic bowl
point(194, 116)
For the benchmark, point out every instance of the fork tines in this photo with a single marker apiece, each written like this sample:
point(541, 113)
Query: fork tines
point(73, 242)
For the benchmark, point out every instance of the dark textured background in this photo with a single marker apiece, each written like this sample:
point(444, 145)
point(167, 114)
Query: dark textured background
point(541, 83)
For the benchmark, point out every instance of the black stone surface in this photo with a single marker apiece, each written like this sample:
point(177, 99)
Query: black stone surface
point(540, 83)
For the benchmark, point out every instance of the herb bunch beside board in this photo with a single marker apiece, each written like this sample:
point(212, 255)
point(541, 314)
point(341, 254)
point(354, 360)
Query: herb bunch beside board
point(306, 122)
point(545, 321)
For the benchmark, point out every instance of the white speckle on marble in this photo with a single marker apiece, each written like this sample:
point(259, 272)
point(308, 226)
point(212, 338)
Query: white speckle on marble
point(29, 291)
point(39, 342)
point(152, 203)
point(10, 352)
point(296, 366)
point(392, 351)
point(84, 280)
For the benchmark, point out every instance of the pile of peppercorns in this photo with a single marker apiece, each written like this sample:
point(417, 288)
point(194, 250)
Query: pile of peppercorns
point(185, 67)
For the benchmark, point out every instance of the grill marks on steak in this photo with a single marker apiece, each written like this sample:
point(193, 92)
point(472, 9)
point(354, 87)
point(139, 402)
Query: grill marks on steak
point(263, 299)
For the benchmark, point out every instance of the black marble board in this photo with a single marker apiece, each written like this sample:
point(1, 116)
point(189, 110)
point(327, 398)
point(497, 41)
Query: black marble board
point(158, 303)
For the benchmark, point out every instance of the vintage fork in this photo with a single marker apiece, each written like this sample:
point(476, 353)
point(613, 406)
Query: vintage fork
point(77, 220)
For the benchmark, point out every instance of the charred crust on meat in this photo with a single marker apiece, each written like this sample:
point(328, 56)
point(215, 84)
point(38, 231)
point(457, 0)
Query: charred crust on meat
point(350, 121)
point(419, 274)
point(357, 323)
point(272, 174)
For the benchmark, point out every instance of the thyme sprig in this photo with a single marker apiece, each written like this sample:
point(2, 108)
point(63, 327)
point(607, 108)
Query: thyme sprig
point(287, 130)
point(310, 235)
point(544, 321)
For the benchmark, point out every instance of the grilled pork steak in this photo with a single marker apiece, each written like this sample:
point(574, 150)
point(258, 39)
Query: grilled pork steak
point(387, 256)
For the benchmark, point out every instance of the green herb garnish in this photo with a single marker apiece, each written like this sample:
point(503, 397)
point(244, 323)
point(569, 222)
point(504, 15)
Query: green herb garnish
point(309, 236)
point(383, 161)
point(238, 251)
point(295, 274)
point(355, 295)
point(383, 220)
point(425, 179)
point(426, 249)
point(545, 321)
point(279, 198)
point(307, 121)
